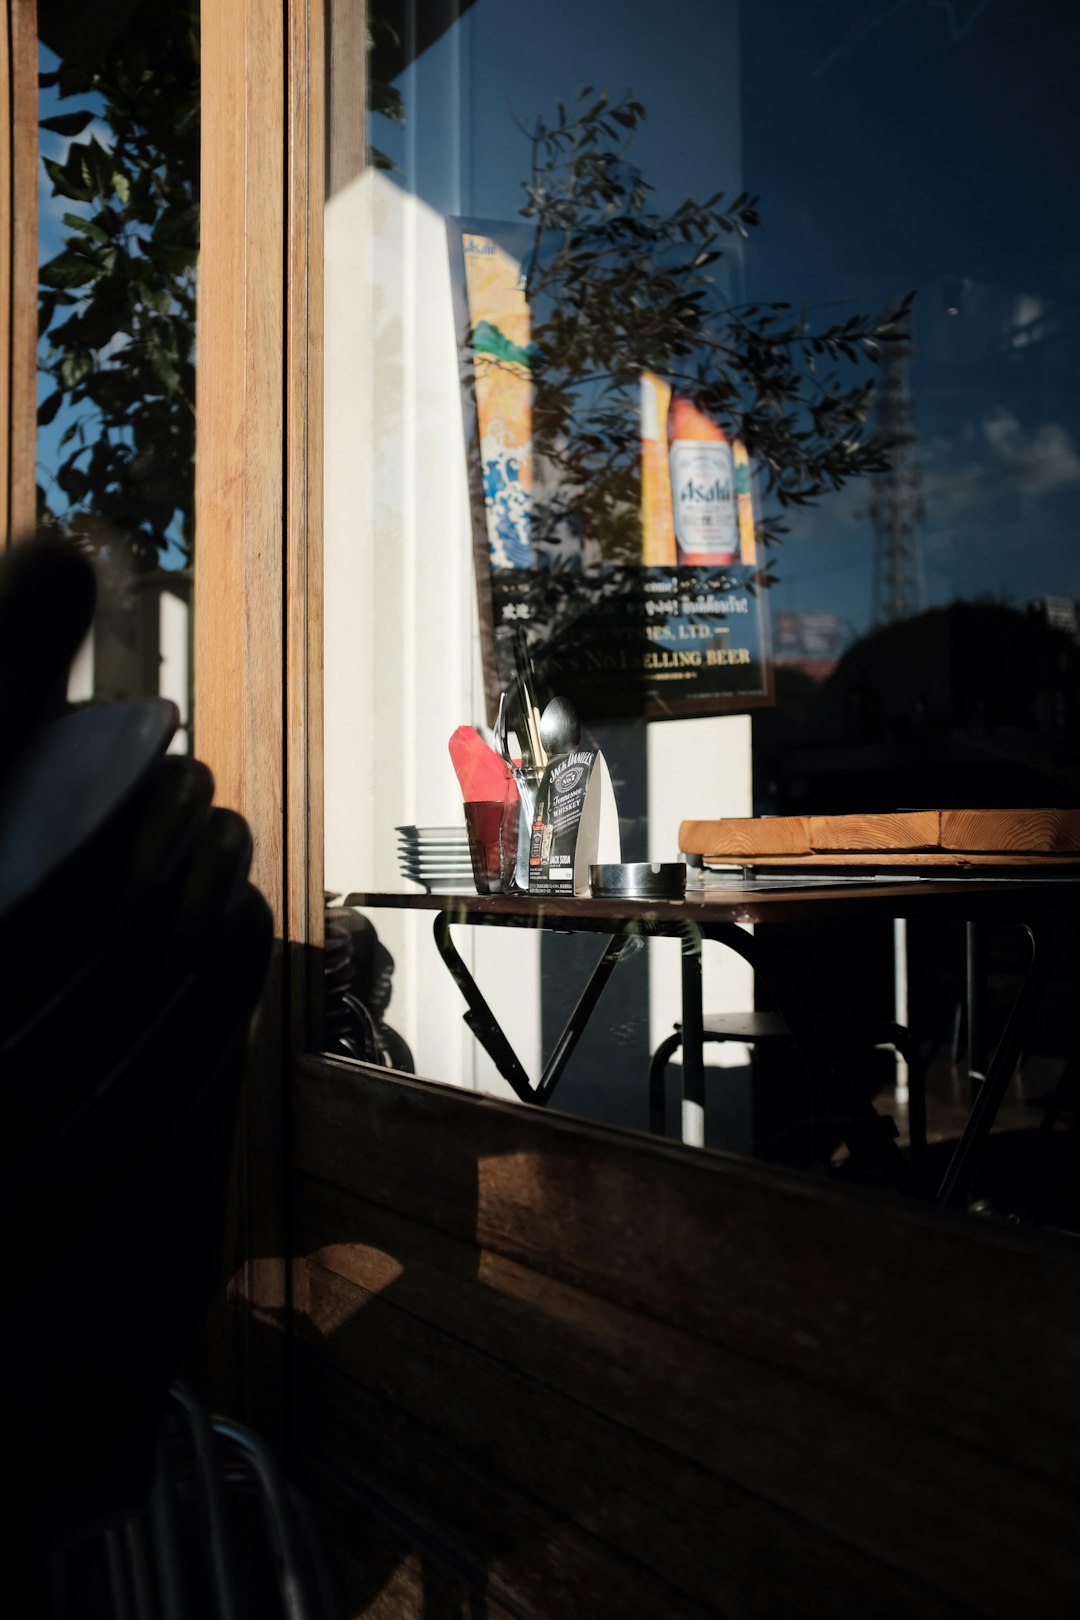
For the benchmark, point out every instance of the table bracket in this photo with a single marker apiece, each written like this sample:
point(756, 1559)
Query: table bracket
point(485, 1026)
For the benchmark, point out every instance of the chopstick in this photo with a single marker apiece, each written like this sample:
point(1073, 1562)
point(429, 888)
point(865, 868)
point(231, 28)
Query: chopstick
point(530, 712)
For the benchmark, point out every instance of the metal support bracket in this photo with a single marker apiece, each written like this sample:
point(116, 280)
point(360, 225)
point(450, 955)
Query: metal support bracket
point(485, 1026)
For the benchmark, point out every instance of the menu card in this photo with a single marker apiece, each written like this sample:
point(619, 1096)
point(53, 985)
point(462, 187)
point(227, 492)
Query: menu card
point(575, 823)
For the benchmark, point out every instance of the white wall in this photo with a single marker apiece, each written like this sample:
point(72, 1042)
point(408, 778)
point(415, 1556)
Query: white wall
point(174, 676)
point(698, 769)
point(402, 646)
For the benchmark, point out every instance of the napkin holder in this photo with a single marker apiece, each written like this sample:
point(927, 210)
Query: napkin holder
point(575, 823)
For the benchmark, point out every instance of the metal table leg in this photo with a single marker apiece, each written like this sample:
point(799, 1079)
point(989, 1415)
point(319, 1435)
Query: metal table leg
point(976, 1007)
point(479, 1017)
point(693, 1057)
point(1001, 1070)
point(575, 1025)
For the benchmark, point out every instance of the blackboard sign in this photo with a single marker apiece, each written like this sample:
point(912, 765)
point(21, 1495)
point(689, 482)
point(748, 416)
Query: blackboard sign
point(652, 605)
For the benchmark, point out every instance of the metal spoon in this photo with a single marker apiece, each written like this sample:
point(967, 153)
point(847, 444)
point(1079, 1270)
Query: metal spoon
point(560, 729)
point(499, 731)
point(526, 788)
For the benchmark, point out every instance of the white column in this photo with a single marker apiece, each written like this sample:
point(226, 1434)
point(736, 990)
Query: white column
point(698, 768)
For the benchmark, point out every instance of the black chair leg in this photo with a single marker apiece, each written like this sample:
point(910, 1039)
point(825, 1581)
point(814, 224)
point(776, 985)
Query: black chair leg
point(903, 1042)
point(658, 1083)
point(917, 1114)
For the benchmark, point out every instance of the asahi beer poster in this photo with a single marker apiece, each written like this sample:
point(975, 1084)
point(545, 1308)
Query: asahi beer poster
point(647, 603)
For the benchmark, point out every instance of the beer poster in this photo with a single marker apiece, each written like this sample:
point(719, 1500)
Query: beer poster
point(651, 604)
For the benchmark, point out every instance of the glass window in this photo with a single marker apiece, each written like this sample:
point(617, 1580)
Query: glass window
point(713, 371)
point(925, 618)
point(118, 249)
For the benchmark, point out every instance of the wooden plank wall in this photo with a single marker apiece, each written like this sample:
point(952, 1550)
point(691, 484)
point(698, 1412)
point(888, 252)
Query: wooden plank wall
point(550, 1371)
point(18, 268)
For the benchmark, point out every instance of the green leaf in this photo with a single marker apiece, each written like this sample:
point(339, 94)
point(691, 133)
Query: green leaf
point(73, 481)
point(46, 311)
point(174, 260)
point(48, 408)
point(165, 372)
point(67, 270)
point(86, 227)
point(97, 166)
point(72, 123)
point(65, 183)
point(74, 367)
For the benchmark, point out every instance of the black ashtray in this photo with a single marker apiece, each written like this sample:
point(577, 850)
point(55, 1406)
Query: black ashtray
point(638, 880)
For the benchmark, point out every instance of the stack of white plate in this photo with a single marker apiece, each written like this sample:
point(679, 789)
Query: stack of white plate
point(436, 857)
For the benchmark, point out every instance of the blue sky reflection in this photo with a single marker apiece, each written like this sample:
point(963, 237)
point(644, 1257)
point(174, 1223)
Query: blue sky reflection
point(924, 144)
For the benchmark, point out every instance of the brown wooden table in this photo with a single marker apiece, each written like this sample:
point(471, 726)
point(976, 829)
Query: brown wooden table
point(717, 909)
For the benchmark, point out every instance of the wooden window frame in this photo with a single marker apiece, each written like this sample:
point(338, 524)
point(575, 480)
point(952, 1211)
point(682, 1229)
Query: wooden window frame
point(18, 268)
point(258, 587)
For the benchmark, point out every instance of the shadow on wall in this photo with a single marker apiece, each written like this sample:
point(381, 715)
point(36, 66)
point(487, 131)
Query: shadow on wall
point(548, 1370)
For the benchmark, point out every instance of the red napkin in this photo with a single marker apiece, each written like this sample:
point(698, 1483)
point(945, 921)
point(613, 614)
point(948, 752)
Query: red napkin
point(481, 773)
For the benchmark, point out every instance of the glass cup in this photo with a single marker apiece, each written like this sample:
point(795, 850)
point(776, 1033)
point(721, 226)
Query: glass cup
point(509, 833)
point(483, 822)
point(517, 829)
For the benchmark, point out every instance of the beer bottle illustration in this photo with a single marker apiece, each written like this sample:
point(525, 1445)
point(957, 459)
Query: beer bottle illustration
point(702, 486)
